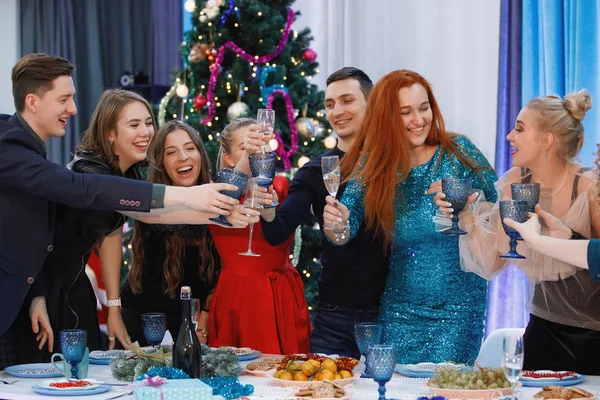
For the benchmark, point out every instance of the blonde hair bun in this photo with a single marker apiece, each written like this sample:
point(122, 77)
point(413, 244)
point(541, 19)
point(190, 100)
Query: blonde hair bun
point(578, 103)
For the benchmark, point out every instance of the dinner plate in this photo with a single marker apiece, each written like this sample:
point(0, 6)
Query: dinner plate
point(302, 384)
point(425, 370)
point(80, 392)
point(470, 394)
point(47, 384)
point(546, 381)
point(39, 370)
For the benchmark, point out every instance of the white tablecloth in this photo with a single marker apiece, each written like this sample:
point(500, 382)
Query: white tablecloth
point(399, 387)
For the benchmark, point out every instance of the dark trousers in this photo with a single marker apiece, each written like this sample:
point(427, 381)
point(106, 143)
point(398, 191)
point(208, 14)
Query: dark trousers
point(558, 347)
point(333, 328)
point(18, 344)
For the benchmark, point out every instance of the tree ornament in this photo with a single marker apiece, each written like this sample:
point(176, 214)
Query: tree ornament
point(198, 52)
point(200, 101)
point(190, 6)
point(329, 142)
point(309, 55)
point(182, 90)
point(302, 160)
point(237, 110)
point(305, 127)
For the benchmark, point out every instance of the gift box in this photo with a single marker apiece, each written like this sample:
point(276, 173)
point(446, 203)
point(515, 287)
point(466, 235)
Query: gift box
point(176, 389)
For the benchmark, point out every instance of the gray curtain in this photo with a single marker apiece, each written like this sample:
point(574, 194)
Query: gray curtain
point(103, 38)
point(47, 27)
point(167, 38)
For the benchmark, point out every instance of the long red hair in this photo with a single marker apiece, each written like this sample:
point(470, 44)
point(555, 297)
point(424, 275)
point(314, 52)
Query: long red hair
point(383, 135)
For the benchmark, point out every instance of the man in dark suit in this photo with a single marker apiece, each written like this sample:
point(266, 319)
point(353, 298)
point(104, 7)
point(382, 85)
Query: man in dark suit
point(30, 185)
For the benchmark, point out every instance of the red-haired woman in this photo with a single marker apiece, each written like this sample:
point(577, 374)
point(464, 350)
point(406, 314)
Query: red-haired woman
point(431, 310)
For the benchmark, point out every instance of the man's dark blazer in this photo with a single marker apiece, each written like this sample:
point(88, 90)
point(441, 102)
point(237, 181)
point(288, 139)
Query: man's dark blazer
point(29, 187)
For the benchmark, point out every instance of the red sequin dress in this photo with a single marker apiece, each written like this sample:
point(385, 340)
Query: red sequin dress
point(259, 301)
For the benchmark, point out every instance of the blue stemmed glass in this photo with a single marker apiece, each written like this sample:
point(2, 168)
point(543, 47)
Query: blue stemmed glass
point(517, 211)
point(72, 344)
point(381, 360)
point(529, 192)
point(367, 334)
point(237, 178)
point(457, 192)
point(154, 326)
point(265, 167)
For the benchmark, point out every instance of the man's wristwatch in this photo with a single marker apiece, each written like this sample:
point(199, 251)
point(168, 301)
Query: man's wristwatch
point(114, 303)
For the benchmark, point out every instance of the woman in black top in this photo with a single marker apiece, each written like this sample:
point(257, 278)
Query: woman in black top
point(116, 142)
point(166, 257)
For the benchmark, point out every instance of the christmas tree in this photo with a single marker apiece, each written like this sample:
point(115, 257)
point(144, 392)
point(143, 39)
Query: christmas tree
point(243, 55)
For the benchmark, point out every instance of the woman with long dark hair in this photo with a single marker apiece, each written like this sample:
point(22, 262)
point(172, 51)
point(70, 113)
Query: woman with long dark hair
point(168, 256)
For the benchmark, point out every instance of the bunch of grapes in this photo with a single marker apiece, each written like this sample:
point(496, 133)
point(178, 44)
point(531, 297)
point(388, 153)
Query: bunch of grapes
point(479, 379)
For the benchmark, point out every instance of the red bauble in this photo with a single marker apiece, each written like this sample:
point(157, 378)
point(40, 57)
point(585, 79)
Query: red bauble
point(309, 55)
point(200, 101)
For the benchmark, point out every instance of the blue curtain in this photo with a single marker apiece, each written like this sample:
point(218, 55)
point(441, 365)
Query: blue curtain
point(507, 293)
point(560, 54)
point(546, 47)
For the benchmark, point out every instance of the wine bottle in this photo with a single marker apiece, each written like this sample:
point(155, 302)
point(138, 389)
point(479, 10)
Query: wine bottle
point(187, 353)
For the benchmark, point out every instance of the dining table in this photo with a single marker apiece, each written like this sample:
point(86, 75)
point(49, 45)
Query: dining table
point(265, 387)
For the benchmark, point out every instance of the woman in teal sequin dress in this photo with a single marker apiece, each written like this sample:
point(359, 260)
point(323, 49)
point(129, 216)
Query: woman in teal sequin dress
point(431, 310)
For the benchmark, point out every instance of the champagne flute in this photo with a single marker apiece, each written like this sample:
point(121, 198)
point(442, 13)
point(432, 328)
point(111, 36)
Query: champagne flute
point(330, 166)
point(266, 120)
point(251, 200)
point(195, 312)
point(513, 359)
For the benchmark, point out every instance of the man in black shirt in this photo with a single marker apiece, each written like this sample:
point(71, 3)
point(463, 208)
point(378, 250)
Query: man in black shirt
point(353, 276)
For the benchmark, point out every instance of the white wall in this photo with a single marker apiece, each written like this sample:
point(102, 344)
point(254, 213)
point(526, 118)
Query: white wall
point(9, 43)
point(452, 43)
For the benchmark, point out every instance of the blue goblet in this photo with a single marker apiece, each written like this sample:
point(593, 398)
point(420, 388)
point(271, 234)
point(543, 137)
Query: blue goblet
point(72, 344)
point(264, 166)
point(237, 178)
point(154, 326)
point(381, 360)
point(457, 192)
point(367, 334)
point(517, 211)
point(529, 192)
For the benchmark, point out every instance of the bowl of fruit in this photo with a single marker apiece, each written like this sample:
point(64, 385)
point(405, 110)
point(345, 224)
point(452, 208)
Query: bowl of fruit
point(480, 383)
point(303, 369)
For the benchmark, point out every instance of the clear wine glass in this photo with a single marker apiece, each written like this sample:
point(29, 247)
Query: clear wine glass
point(513, 359)
point(330, 165)
point(266, 120)
point(195, 311)
point(251, 200)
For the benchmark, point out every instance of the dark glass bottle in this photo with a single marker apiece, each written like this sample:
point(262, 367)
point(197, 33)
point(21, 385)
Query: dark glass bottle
point(187, 353)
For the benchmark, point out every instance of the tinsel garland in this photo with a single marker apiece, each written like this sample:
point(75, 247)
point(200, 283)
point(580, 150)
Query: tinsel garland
point(228, 387)
point(162, 107)
point(129, 365)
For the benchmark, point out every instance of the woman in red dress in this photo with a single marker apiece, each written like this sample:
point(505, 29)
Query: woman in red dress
point(259, 301)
